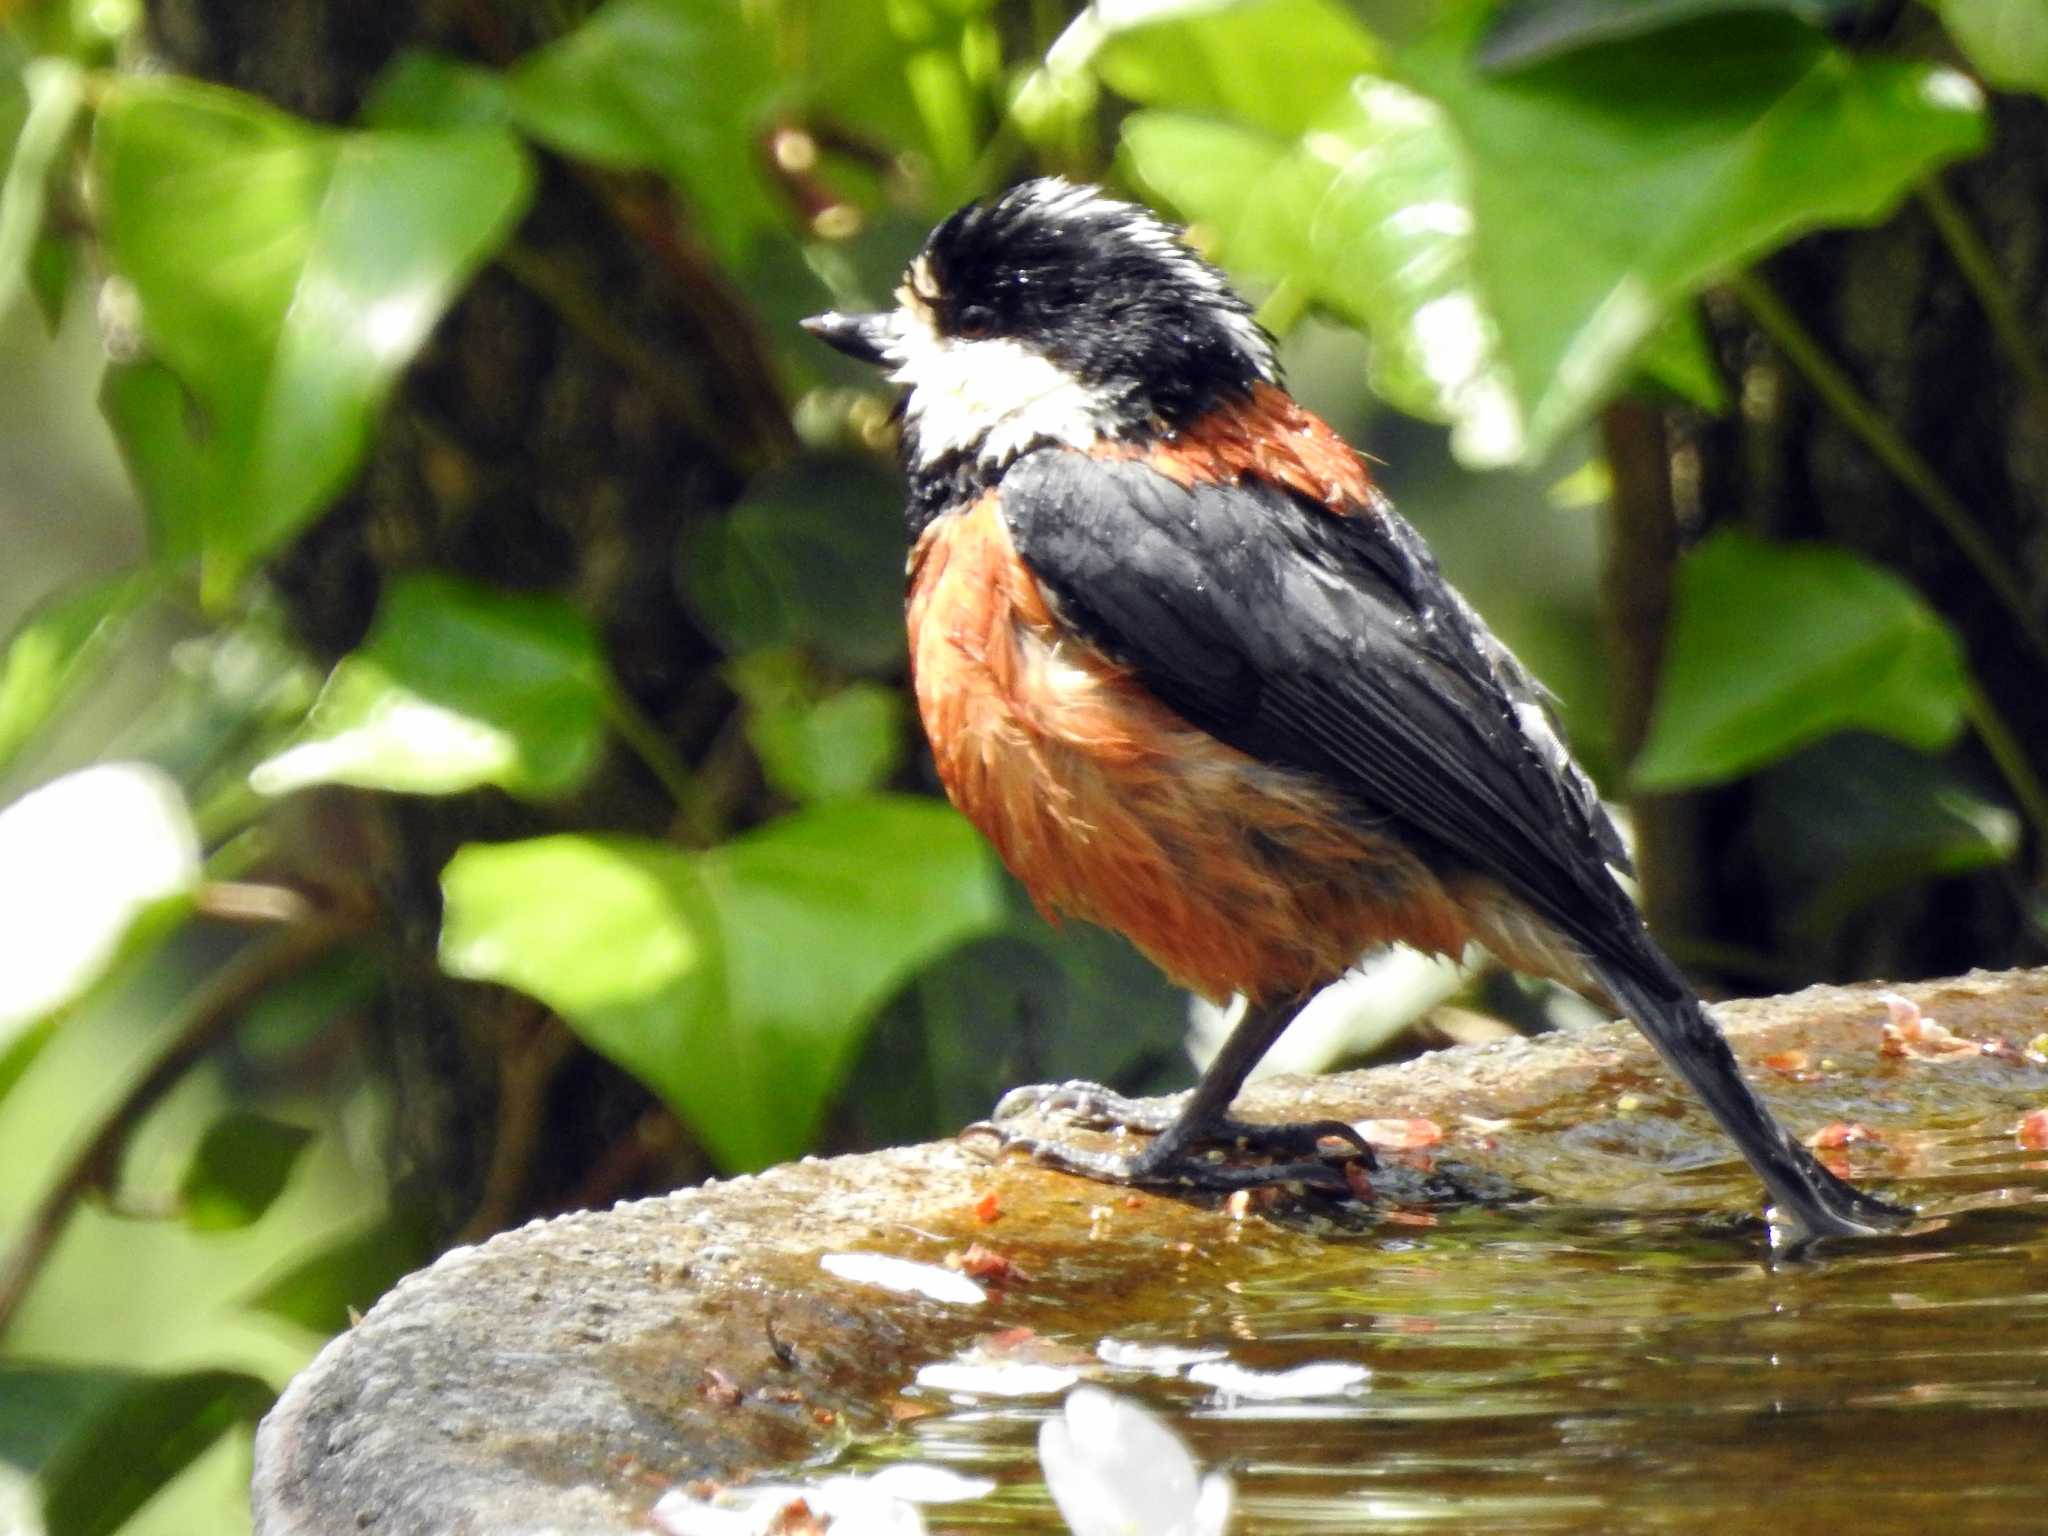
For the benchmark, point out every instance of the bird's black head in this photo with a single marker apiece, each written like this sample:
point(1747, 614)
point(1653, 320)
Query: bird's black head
point(1054, 314)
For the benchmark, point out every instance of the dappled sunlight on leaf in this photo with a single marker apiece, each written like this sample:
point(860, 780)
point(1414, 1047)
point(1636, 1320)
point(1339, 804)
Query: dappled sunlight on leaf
point(456, 686)
point(1612, 182)
point(736, 983)
point(56, 649)
point(1273, 64)
point(82, 859)
point(282, 275)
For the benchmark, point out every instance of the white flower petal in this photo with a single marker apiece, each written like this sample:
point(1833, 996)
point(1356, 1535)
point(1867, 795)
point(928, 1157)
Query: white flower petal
point(989, 1378)
point(1115, 1469)
point(921, 1483)
point(675, 1513)
point(1325, 1378)
point(1212, 1506)
point(854, 1506)
point(1163, 1359)
point(904, 1276)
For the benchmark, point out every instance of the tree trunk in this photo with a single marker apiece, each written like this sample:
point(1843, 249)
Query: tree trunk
point(558, 433)
point(1892, 308)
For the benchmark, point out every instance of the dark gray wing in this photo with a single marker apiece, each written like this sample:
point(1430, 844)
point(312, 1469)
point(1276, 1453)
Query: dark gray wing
point(1331, 645)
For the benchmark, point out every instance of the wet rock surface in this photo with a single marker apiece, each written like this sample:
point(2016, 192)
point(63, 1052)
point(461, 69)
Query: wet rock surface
point(559, 1378)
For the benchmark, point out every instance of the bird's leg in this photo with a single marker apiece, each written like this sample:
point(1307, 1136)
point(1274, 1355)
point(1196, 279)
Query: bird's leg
point(1183, 1136)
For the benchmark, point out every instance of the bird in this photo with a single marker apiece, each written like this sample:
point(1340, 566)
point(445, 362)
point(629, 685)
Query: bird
point(1182, 662)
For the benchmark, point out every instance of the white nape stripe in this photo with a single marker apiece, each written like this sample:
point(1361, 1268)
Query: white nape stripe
point(1059, 198)
point(993, 397)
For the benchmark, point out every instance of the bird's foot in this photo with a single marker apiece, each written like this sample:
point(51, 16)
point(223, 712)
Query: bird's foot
point(1206, 1155)
point(1089, 1106)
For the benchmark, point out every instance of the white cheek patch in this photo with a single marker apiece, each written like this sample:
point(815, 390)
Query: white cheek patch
point(992, 398)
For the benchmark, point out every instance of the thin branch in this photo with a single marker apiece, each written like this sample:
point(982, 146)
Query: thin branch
point(1841, 396)
point(755, 431)
point(244, 901)
point(1284, 307)
point(525, 1070)
point(1973, 260)
point(210, 1015)
point(653, 749)
point(1636, 596)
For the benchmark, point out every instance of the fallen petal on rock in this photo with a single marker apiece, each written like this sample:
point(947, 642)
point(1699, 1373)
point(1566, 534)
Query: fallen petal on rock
point(998, 1378)
point(904, 1276)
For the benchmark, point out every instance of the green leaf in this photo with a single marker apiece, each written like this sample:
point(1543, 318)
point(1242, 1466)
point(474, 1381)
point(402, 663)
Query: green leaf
point(1029, 1003)
point(84, 861)
point(424, 92)
point(735, 983)
point(2006, 40)
point(1529, 31)
point(1272, 64)
point(240, 1168)
point(902, 76)
point(1774, 646)
point(281, 1025)
point(1855, 816)
point(675, 86)
point(812, 558)
point(818, 746)
point(324, 1292)
point(456, 685)
point(56, 92)
point(52, 265)
point(99, 1443)
point(1367, 212)
point(1249, 194)
point(56, 649)
point(1395, 240)
point(284, 275)
point(18, 1051)
point(1677, 357)
point(1614, 182)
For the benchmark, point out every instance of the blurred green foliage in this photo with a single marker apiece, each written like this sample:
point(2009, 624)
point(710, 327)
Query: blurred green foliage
point(1517, 207)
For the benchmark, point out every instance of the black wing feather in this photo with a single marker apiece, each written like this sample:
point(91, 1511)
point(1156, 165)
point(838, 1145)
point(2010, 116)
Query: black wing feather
point(1331, 645)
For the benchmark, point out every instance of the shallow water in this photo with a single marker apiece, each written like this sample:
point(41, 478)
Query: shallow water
point(1541, 1369)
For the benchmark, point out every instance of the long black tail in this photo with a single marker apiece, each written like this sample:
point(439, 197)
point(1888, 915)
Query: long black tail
point(1810, 1201)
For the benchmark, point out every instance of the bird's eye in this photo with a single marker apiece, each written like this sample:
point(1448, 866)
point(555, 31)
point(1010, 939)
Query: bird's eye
point(975, 321)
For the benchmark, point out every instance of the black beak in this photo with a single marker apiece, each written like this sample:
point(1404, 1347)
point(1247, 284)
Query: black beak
point(860, 337)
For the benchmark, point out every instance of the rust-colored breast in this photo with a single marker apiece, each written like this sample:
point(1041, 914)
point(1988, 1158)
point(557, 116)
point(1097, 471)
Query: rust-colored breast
point(1232, 875)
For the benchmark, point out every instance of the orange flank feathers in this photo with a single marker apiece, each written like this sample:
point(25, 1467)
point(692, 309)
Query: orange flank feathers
point(1232, 875)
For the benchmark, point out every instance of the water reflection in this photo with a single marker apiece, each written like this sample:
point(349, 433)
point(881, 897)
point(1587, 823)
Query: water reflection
point(1570, 1370)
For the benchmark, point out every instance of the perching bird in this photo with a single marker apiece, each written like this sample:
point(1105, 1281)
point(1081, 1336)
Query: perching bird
point(1195, 678)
